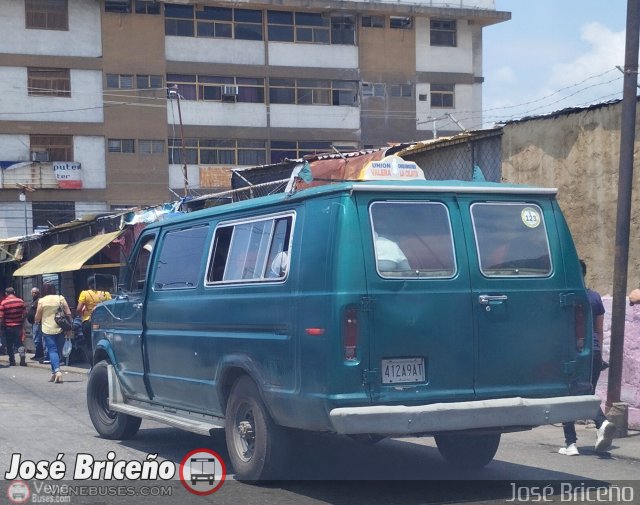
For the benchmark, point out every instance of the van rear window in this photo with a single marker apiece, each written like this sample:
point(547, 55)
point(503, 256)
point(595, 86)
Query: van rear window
point(255, 250)
point(511, 239)
point(412, 239)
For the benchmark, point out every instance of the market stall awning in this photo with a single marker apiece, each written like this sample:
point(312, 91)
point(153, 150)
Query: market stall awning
point(66, 257)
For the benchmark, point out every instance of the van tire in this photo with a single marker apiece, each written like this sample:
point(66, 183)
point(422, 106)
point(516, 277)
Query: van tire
point(468, 451)
point(258, 448)
point(109, 424)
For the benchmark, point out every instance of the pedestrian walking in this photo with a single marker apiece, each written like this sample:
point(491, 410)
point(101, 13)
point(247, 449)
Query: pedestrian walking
point(36, 331)
point(604, 428)
point(12, 314)
point(87, 302)
point(53, 335)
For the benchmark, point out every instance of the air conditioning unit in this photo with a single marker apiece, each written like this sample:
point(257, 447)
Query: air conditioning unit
point(229, 90)
point(40, 156)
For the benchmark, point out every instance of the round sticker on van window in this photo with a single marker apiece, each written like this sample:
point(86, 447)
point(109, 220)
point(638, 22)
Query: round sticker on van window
point(530, 217)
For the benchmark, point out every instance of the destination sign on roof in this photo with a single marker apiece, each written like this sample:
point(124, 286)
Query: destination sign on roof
point(391, 168)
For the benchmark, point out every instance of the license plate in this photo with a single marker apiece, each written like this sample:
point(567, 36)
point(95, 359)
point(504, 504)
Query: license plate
point(402, 370)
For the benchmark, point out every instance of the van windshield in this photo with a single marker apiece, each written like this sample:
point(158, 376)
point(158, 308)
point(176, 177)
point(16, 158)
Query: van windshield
point(412, 239)
point(511, 239)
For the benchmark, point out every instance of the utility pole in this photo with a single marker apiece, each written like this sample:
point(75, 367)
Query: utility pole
point(185, 176)
point(623, 216)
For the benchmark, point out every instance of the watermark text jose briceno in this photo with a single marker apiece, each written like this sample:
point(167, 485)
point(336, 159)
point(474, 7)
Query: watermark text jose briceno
point(572, 492)
point(86, 467)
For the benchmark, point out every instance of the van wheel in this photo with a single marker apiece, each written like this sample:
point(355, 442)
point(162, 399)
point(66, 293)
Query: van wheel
point(468, 451)
point(109, 424)
point(258, 448)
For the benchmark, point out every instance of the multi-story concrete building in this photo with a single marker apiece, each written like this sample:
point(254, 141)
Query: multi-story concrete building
point(108, 104)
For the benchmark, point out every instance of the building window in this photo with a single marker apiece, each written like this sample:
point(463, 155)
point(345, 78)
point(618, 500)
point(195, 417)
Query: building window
point(47, 14)
point(217, 152)
point(344, 93)
point(49, 82)
point(373, 21)
point(144, 81)
point(443, 33)
point(47, 214)
point(119, 81)
point(442, 95)
point(178, 20)
point(401, 90)
point(120, 145)
point(294, 149)
point(147, 7)
point(151, 146)
point(377, 89)
point(210, 88)
point(312, 92)
point(247, 24)
point(310, 27)
point(59, 147)
point(117, 6)
point(401, 23)
point(216, 22)
point(343, 30)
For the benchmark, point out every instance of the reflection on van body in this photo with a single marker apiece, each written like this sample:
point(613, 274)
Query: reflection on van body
point(368, 309)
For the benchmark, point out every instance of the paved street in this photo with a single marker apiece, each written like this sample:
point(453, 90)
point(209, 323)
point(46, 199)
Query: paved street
point(40, 419)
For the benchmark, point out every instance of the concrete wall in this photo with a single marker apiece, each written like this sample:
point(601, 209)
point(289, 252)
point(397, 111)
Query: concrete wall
point(578, 152)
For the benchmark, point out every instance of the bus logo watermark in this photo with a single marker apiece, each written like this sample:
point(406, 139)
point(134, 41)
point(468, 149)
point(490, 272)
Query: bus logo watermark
point(202, 472)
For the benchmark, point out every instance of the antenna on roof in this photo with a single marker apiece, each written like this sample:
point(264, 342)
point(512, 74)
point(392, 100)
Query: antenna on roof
point(338, 152)
point(460, 125)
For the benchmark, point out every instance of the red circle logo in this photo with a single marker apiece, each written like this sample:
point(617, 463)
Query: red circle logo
point(202, 472)
point(18, 492)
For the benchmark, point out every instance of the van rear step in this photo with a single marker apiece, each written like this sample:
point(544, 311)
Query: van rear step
point(184, 420)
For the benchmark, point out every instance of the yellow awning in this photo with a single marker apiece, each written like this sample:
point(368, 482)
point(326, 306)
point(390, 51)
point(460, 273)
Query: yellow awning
point(66, 257)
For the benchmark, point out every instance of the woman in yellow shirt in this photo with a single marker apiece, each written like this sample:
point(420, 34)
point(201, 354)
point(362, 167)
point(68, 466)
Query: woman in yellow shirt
point(87, 301)
point(48, 305)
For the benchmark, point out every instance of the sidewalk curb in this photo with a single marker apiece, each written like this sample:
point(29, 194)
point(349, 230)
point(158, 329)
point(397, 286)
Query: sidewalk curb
point(4, 360)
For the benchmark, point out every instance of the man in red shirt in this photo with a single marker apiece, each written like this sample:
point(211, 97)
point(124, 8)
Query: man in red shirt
point(12, 313)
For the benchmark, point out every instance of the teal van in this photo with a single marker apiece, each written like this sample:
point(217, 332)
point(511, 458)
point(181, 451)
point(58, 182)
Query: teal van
point(372, 309)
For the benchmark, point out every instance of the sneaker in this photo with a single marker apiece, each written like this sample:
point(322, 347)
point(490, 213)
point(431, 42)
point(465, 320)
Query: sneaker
point(37, 358)
point(570, 450)
point(605, 436)
point(45, 362)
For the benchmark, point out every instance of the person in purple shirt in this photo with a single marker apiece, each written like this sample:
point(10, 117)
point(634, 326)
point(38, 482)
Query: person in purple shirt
point(604, 428)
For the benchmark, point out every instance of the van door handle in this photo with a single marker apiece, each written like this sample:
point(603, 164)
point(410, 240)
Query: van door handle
point(487, 299)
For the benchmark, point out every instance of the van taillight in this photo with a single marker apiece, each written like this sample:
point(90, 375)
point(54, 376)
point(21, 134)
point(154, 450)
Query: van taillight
point(350, 333)
point(580, 326)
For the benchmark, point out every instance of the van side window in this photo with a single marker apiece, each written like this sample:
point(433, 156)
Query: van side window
point(251, 250)
point(180, 258)
point(412, 239)
point(139, 271)
point(511, 239)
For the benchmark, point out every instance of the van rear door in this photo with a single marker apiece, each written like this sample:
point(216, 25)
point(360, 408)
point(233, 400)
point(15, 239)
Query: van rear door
point(421, 342)
point(518, 284)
